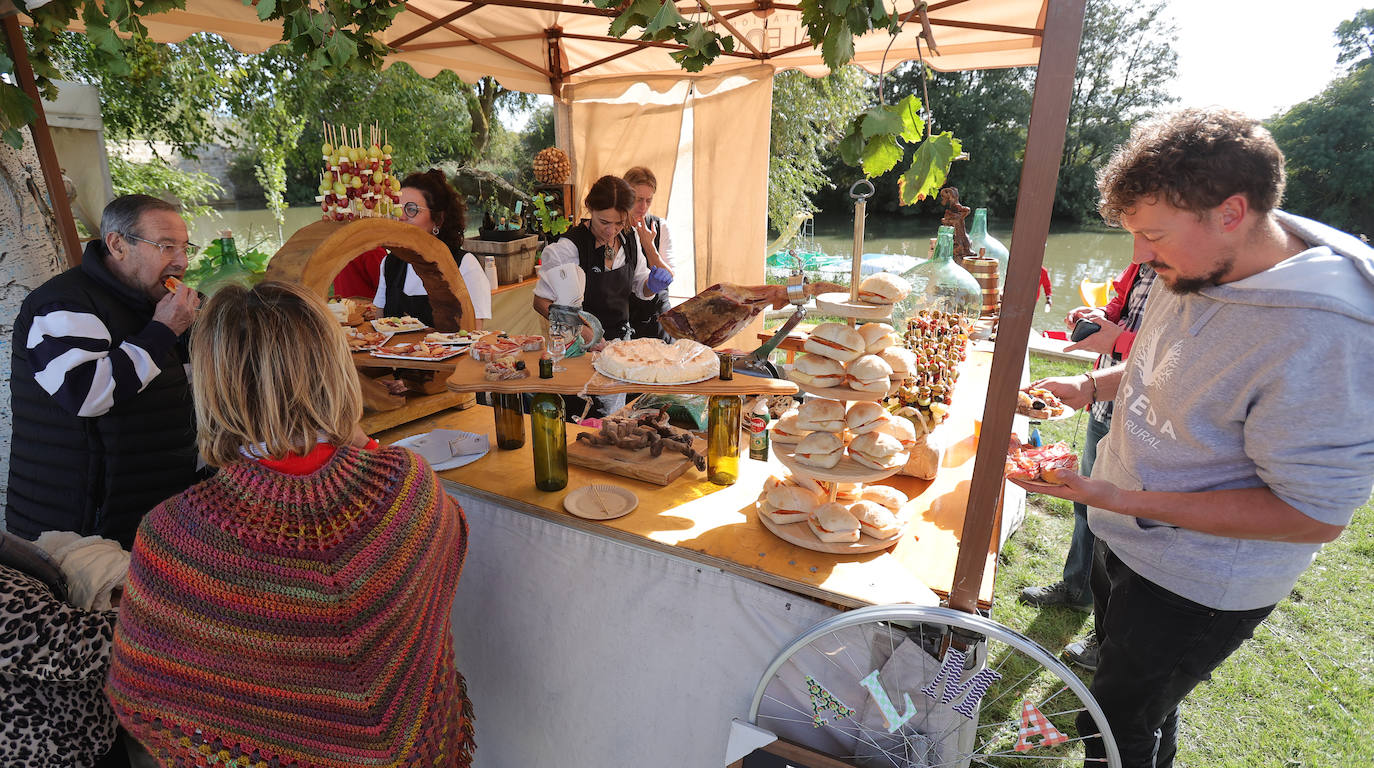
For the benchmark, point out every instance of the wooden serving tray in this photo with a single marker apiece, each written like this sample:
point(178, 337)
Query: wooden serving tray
point(637, 465)
point(839, 304)
point(579, 378)
point(847, 471)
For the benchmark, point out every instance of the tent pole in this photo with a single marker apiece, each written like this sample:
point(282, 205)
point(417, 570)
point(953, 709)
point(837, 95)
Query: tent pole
point(42, 140)
point(1034, 203)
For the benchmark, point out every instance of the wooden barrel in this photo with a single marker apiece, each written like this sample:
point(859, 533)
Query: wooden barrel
point(984, 270)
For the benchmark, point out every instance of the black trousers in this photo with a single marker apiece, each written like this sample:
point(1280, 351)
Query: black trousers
point(1155, 648)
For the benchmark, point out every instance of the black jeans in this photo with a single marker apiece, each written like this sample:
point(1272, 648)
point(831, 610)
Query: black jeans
point(1155, 648)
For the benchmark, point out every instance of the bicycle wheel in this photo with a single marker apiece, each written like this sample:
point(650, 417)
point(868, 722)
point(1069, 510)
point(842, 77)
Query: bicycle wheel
point(905, 686)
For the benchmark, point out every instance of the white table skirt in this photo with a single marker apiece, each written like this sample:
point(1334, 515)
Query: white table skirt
point(580, 650)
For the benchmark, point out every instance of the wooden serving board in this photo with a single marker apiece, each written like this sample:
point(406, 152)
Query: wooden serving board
point(580, 378)
point(847, 471)
point(802, 535)
point(842, 393)
point(637, 465)
point(839, 304)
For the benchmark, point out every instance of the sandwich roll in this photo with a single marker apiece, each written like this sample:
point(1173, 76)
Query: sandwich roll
point(885, 495)
point(788, 504)
point(875, 519)
point(819, 449)
point(900, 428)
point(877, 451)
point(836, 341)
point(883, 288)
point(848, 491)
point(818, 371)
point(820, 415)
point(868, 374)
point(877, 337)
point(864, 416)
point(901, 360)
point(807, 484)
point(786, 431)
point(833, 523)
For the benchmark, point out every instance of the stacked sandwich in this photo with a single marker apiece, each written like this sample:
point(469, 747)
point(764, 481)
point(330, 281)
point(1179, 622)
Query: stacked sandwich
point(838, 356)
point(820, 433)
point(878, 511)
point(883, 289)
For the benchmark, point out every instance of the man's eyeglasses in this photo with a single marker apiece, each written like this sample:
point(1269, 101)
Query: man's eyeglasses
point(167, 249)
point(411, 210)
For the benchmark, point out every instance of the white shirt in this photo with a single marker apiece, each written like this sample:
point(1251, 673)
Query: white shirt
point(554, 283)
point(474, 277)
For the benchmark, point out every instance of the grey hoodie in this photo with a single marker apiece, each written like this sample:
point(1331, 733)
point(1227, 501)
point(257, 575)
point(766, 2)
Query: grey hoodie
point(1266, 381)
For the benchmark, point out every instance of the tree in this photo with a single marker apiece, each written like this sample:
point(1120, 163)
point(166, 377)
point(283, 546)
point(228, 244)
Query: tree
point(809, 117)
point(1125, 61)
point(1328, 140)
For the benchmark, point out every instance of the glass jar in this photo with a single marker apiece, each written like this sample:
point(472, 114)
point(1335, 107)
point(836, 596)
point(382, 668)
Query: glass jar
point(940, 284)
point(984, 244)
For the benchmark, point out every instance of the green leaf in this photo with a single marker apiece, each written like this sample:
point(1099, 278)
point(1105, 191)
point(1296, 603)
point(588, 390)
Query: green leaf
point(881, 121)
point(666, 18)
point(852, 147)
point(929, 168)
point(13, 137)
point(913, 127)
point(838, 47)
point(266, 8)
point(880, 154)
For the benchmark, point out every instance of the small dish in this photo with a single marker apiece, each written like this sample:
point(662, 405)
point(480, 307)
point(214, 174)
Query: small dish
point(600, 502)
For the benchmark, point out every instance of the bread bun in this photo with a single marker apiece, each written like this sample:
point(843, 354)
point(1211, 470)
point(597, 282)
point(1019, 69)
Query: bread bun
point(883, 288)
point(833, 523)
point(885, 495)
point(875, 519)
point(786, 431)
point(900, 428)
point(901, 360)
point(818, 371)
point(868, 374)
point(819, 449)
point(864, 417)
point(848, 491)
point(789, 504)
point(836, 341)
point(877, 337)
point(877, 451)
point(820, 415)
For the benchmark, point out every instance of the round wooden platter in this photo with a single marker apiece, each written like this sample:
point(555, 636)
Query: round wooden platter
point(842, 393)
point(847, 471)
point(839, 304)
point(801, 535)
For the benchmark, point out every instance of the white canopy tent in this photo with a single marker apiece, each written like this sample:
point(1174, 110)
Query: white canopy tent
point(561, 47)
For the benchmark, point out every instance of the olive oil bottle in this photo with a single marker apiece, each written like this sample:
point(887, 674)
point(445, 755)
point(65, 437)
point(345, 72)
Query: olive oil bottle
point(550, 435)
point(722, 431)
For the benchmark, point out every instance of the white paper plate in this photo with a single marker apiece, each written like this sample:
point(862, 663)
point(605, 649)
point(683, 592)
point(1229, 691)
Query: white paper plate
point(453, 352)
point(584, 502)
point(386, 336)
point(434, 447)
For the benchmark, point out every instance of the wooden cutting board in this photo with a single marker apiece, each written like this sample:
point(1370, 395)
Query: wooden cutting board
point(637, 465)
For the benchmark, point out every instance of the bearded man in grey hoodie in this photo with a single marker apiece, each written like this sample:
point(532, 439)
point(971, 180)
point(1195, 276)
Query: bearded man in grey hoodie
point(1240, 443)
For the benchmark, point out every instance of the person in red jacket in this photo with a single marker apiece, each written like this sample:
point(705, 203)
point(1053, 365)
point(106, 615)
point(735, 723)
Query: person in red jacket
point(1119, 321)
point(1048, 289)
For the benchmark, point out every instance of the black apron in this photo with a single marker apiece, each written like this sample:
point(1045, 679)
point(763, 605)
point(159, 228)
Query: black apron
point(608, 293)
point(644, 312)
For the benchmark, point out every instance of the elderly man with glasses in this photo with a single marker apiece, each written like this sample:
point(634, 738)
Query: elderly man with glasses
point(103, 423)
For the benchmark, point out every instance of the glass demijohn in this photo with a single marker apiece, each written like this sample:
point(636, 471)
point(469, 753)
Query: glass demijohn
point(940, 284)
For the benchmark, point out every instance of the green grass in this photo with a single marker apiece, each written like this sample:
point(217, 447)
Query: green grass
point(1300, 694)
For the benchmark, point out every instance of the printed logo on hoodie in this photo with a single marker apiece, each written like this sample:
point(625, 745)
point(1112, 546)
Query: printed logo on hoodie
point(1156, 368)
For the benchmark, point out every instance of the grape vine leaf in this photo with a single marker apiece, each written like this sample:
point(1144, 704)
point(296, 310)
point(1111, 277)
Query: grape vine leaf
point(881, 153)
point(929, 168)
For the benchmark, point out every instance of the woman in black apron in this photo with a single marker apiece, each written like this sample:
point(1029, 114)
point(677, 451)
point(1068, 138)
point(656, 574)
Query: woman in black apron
point(609, 262)
point(656, 245)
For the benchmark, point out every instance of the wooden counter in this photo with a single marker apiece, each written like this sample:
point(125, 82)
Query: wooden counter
point(717, 526)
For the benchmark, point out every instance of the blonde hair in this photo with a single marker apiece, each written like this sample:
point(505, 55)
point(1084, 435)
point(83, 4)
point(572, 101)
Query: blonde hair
point(641, 175)
point(270, 367)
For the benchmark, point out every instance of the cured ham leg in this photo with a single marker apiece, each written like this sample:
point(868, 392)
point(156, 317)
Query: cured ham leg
point(723, 310)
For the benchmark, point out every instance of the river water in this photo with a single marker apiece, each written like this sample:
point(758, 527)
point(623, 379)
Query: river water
point(1072, 254)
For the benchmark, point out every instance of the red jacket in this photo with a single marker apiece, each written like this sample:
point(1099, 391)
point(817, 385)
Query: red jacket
point(1122, 287)
point(360, 276)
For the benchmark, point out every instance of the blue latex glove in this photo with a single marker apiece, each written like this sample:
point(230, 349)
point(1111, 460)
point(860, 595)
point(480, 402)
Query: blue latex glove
point(659, 278)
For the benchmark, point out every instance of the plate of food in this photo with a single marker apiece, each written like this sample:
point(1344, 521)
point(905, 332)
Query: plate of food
point(363, 341)
point(398, 324)
point(455, 339)
point(1041, 405)
point(798, 515)
point(653, 361)
point(418, 351)
point(1039, 465)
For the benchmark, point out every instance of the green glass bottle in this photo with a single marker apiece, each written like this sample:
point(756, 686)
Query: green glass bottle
point(722, 431)
point(940, 284)
point(510, 420)
point(984, 244)
point(550, 435)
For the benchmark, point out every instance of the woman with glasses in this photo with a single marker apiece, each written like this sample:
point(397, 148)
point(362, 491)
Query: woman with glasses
point(657, 245)
point(429, 202)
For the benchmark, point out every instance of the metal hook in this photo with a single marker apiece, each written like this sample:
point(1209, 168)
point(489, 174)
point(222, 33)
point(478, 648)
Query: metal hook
point(861, 195)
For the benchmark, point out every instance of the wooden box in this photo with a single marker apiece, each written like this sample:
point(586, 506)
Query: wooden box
point(514, 260)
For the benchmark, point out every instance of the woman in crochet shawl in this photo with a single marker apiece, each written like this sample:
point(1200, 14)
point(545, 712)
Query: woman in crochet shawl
point(295, 608)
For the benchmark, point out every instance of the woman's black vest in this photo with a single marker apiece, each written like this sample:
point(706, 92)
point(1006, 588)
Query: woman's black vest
point(97, 475)
point(396, 303)
point(644, 312)
point(608, 292)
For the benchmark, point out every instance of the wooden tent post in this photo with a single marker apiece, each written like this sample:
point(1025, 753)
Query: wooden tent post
point(42, 140)
point(1035, 199)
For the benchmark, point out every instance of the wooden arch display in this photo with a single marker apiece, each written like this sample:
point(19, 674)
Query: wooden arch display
point(316, 253)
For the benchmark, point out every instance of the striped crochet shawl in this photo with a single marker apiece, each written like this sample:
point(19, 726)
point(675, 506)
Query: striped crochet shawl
point(274, 620)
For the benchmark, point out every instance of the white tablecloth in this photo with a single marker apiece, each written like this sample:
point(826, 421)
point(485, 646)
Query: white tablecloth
point(581, 650)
